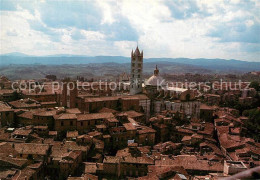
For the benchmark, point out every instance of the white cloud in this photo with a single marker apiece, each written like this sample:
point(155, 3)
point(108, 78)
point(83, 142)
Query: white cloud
point(160, 33)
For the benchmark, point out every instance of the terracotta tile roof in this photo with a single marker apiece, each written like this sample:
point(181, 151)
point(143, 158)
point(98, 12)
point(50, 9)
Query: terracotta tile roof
point(92, 116)
point(129, 126)
point(76, 178)
point(35, 165)
point(46, 112)
point(7, 149)
point(74, 146)
point(25, 103)
point(73, 111)
point(212, 95)
point(18, 162)
point(5, 107)
point(115, 98)
point(162, 172)
point(53, 133)
point(186, 138)
point(101, 126)
point(91, 167)
point(66, 116)
point(111, 159)
point(161, 126)
point(4, 174)
point(137, 160)
point(190, 162)
point(222, 129)
point(31, 148)
point(90, 177)
point(100, 99)
point(73, 155)
point(26, 115)
point(206, 107)
point(134, 114)
point(112, 120)
point(41, 127)
point(22, 132)
point(166, 145)
point(215, 149)
point(145, 130)
point(106, 136)
point(144, 149)
point(228, 141)
point(183, 130)
point(94, 133)
point(196, 136)
point(26, 173)
point(72, 134)
point(123, 152)
point(49, 103)
point(107, 110)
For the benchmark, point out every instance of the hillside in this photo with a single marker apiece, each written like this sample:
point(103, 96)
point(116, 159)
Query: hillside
point(18, 65)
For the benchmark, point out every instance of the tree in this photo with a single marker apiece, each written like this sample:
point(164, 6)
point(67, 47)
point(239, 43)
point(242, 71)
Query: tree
point(255, 85)
point(253, 124)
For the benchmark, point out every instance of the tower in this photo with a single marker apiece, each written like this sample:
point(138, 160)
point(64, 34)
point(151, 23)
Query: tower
point(73, 95)
point(64, 94)
point(136, 78)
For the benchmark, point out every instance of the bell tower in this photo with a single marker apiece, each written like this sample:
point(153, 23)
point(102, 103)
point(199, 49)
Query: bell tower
point(136, 78)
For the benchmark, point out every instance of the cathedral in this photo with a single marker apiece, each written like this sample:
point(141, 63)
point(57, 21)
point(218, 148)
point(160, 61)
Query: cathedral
point(162, 97)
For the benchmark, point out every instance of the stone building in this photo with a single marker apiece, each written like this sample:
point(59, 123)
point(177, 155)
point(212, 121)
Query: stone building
point(6, 115)
point(136, 78)
point(164, 97)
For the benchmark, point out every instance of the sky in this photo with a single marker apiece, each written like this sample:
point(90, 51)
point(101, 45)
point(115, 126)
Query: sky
point(227, 29)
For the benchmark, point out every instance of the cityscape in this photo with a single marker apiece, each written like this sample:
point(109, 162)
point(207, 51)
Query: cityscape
point(85, 107)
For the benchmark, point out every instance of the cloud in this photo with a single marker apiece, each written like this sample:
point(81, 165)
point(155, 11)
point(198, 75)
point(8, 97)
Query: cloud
point(7, 5)
point(186, 9)
point(237, 32)
point(193, 28)
point(11, 32)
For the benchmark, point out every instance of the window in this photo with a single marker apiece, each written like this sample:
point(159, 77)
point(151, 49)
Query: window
point(71, 123)
point(62, 123)
point(81, 123)
point(138, 75)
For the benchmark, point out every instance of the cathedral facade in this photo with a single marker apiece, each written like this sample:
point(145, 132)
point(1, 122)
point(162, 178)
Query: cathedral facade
point(161, 97)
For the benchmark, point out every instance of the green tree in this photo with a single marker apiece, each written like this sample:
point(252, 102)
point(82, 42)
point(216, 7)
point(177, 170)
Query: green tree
point(255, 85)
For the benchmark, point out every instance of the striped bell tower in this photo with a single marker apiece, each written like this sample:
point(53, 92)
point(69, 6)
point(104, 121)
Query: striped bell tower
point(136, 78)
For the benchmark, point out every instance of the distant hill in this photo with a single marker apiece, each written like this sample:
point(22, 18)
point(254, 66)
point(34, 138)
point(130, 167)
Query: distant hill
point(92, 70)
point(214, 65)
point(16, 54)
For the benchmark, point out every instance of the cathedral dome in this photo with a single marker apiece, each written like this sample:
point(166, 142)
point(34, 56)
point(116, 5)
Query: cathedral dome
point(155, 79)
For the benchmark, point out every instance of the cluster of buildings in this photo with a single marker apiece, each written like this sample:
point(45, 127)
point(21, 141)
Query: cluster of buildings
point(146, 131)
